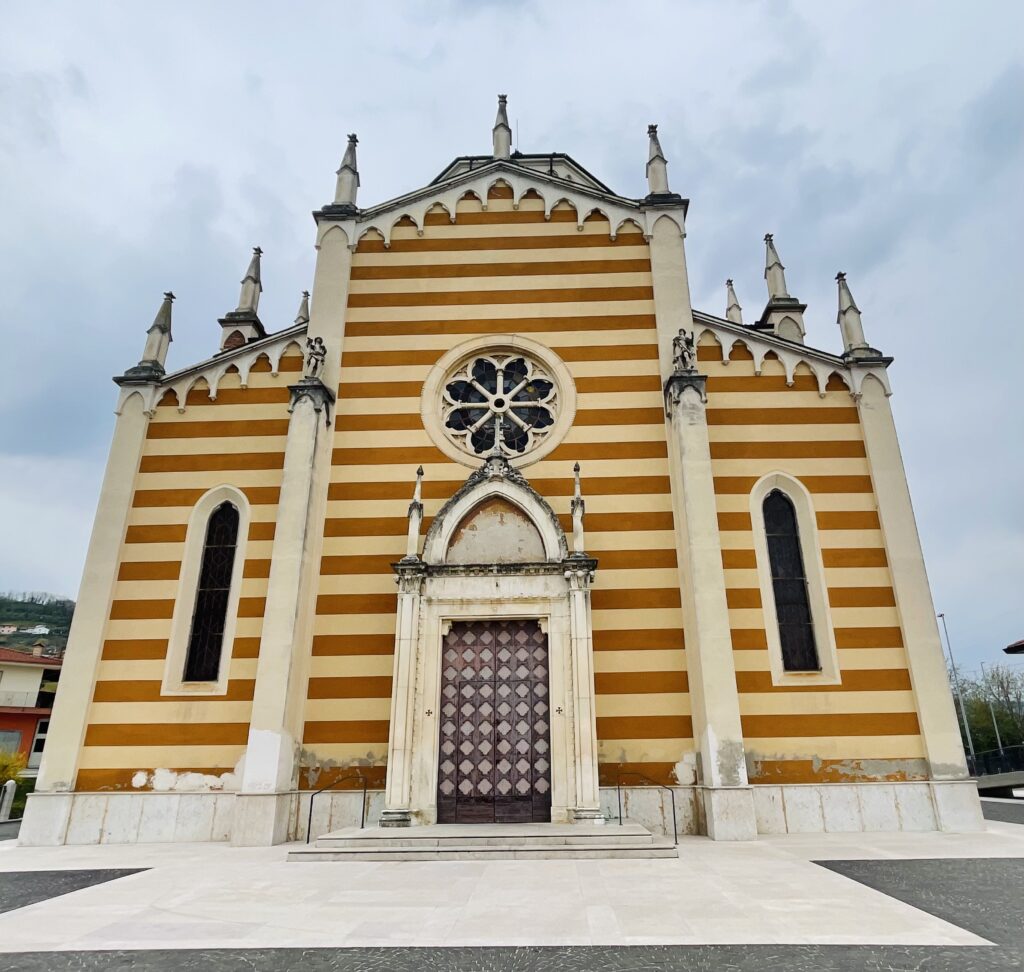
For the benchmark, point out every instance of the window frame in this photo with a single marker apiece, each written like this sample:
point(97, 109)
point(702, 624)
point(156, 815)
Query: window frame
point(814, 573)
point(185, 597)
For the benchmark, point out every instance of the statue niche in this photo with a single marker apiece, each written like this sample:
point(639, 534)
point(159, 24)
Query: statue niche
point(496, 531)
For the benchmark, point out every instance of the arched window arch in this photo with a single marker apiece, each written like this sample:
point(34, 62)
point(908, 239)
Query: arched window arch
point(794, 591)
point(789, 585)
point(206, 602)
point(209, 617)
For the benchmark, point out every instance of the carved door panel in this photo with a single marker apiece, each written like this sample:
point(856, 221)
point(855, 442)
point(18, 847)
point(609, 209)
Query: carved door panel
point(495, 745)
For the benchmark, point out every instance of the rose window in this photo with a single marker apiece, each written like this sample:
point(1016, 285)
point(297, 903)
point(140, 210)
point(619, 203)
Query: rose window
point(508, 397)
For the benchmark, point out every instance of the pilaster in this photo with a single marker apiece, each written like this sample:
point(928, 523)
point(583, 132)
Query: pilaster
point(275, 727)
point(411, 572)
point(728, 799)
point(939, 728)
point(579, 572)
point(85, 641)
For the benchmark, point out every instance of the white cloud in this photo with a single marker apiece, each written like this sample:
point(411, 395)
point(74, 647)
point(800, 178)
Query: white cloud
point(143, 152)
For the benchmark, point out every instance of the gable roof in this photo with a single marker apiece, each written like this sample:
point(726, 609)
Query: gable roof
point(11, 656)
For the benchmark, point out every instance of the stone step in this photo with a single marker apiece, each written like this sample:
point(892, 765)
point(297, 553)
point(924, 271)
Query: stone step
point(487, 842)
point(485, 835)
point(481, 852)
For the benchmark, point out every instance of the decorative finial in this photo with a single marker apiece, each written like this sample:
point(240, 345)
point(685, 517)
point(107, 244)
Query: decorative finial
point(657, 164)
point(577, 507)
point(348, 175)
point(501, 134)
point(774, 270)
point(850, 324)
point(252, 287)
point(733, 311)
point(158, 340)
point(162, 321)
point(302, 317)
point(412, 544)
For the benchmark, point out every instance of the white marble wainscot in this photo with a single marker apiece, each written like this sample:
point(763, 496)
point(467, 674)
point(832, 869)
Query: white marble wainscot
point(651, 806)
point(957, 806)
point(132, 818)
point(333, 810)
point(882, 807)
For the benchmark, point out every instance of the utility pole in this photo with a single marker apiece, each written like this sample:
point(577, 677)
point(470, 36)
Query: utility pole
point(956, 685)
point(992, 712)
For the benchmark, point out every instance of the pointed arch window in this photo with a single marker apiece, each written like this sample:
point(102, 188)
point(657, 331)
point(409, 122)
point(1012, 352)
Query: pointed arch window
point(210, 615)
point(789, 585)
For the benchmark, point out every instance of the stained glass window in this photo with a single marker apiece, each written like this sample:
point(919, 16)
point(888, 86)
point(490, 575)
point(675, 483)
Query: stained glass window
point(505, 397)
point(202, 664)
point(789, 582)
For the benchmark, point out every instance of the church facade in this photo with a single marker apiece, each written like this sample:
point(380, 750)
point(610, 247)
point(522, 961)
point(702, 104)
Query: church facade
point(501, 523)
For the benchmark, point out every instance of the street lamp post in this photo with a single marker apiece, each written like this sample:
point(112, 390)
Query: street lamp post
point(956, 685)
point(992, 712)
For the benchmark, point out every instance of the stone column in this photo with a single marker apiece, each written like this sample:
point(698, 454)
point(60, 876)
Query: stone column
point(728, 799)
point(956, 797)
point(49, 807)
point(579, 572)
point(398, 807)
point(271, 766)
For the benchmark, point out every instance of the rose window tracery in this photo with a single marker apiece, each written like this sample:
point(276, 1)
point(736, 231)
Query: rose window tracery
point(509, 397)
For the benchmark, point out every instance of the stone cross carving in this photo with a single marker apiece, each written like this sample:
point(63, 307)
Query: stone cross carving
point(315, 355)
point(684, 353)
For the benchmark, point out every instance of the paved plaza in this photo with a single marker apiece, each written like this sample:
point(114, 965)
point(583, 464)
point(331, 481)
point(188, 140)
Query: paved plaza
point(839, 901)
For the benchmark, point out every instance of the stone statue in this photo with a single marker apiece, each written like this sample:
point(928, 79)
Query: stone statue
point(684, 354)
point(315, 355)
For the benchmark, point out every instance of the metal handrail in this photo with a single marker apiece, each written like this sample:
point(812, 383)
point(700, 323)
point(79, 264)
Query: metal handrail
point(341, 779)
point(671, 793)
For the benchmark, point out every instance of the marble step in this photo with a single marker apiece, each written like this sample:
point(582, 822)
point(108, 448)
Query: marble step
point(483, 852)
point(487, 835)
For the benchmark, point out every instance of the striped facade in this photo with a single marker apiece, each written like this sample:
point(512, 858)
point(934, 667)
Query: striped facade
point(324, 664)
point(190, 446)
point(590, 300)
point(759, 424)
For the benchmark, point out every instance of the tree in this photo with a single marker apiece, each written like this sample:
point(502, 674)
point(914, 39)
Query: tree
point(11, 765)
point(995, 699)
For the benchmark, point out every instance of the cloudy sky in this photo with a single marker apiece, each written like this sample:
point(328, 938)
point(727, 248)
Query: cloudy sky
point(143, 152)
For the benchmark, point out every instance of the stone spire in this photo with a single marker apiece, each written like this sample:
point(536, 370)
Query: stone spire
point(243, 325)
point(501, 134)
point(783, 315)
point(657, 165)
point(252, 287)
point(158, 339)
point(303, 315)
point(348, 177)
point(412, 543)
point(855, 345)
point(733, 311)
point(577, 507)
point(774, 270)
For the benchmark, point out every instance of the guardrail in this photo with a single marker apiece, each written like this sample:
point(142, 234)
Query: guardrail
point(1009, 759)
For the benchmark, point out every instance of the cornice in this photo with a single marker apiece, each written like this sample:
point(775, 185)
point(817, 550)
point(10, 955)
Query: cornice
point(823, 364)
point(552, 189)
point(212, 370)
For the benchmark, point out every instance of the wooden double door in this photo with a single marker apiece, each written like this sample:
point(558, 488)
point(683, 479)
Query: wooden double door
point(495, 748)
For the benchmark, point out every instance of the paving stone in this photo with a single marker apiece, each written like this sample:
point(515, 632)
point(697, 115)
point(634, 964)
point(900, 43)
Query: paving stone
point(983, 895)
point(660, 958)
point(21, 888)
point(1004, 812)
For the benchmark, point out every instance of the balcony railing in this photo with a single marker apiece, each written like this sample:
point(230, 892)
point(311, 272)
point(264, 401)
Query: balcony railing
point(22, 700)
